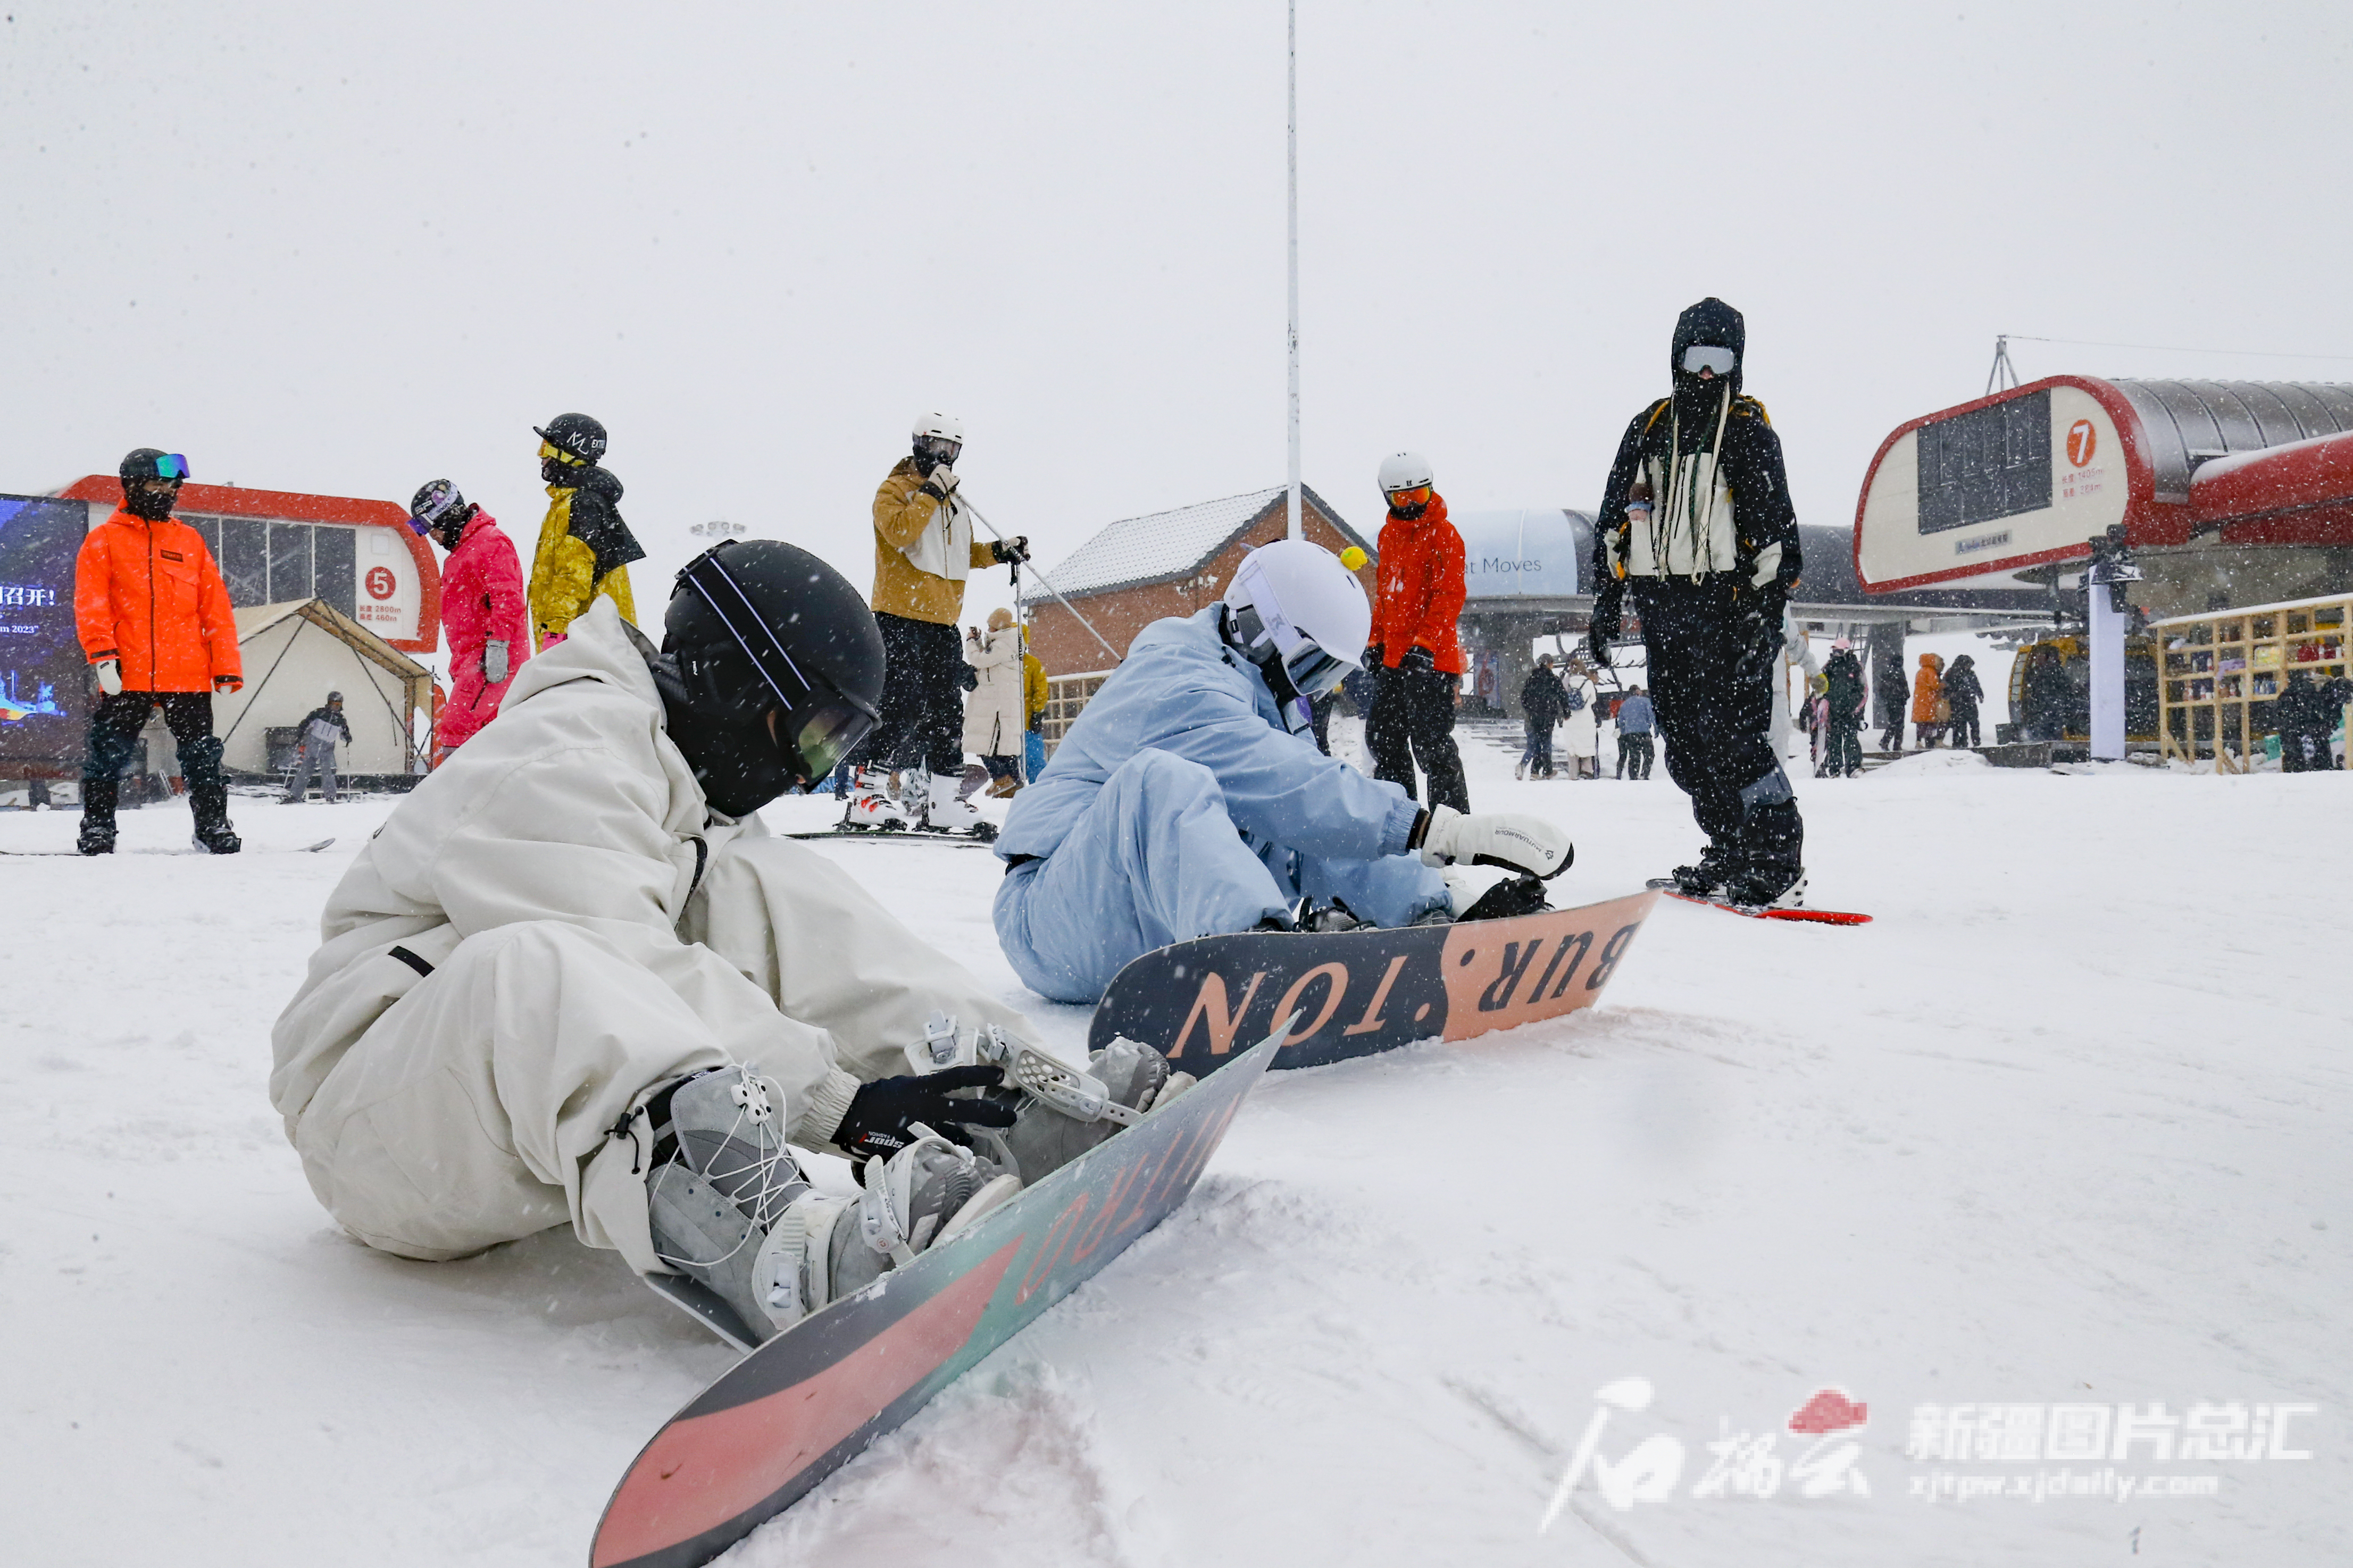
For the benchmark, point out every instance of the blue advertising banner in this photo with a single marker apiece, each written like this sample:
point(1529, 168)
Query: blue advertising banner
point(44, 692)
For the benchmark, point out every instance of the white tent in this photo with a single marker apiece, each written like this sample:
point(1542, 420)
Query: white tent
point(294, 654)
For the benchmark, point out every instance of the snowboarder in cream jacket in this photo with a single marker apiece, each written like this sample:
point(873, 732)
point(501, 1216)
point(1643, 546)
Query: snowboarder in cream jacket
point(573, 979)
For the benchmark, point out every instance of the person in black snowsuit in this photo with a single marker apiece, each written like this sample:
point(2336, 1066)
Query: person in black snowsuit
point(1697, 525)
point(1842, 678)
point(1542, 705)
point(1963, 692)
point(2305, 718)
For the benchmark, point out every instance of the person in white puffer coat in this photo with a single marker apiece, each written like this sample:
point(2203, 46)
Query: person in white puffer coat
point(992, 708)
point(573, 966)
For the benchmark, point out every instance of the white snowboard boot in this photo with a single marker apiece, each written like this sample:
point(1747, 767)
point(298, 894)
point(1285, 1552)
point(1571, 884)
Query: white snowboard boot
point(870, 805)
point(1061, 1112)
point(731, 1208)
point(944, 809)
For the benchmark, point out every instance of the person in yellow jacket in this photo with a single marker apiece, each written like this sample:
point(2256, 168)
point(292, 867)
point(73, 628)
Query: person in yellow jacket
point(585, 548)
point(924, 553)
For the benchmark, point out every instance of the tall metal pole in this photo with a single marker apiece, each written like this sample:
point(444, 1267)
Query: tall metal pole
point(1295, 525)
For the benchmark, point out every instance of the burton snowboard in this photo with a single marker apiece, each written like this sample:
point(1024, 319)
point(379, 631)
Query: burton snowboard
point(809, 1400)
point(1355, 993)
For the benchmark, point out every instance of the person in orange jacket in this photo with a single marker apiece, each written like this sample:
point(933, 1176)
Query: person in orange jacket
point(1928, 692)
point(1415, 657)
point(157, 628)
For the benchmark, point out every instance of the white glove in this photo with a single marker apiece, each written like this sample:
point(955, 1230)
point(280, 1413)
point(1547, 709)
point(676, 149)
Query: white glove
point(110, 676)
point(942, 482)
point(1525, 844)
point(494, 661)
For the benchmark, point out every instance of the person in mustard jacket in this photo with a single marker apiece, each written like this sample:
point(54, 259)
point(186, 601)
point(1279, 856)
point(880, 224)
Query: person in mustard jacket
point(924, 553)
point(585, 548)
point(1927, 695)
point(155, 623)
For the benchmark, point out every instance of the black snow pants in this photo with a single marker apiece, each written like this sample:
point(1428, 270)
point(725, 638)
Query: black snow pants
point(1712, 663)
point(114, 726)
point(1844, 754)
point(1635, 755)
point(1413, 720)
point(922, 710)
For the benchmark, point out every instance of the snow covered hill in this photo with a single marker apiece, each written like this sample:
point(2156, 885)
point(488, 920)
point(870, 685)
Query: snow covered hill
point(2063, 1130)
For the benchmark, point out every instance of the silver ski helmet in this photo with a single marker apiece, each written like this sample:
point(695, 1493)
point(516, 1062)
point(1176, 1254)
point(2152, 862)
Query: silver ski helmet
point(780, 665)
point(1294, 608)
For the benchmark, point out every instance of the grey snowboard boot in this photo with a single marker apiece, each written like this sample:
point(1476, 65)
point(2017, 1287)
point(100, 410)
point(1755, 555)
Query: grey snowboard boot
point(732, 1209)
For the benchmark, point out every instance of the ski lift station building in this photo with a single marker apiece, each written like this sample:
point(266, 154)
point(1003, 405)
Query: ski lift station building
point(2230, 492)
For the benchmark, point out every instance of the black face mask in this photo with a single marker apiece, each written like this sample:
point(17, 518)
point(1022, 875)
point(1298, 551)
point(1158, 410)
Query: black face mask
point(152, 502)
point(1410, 512)
point(452, 528)
point(738, 764)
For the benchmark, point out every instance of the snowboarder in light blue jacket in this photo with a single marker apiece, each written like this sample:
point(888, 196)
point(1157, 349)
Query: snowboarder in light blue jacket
point(1189, 799)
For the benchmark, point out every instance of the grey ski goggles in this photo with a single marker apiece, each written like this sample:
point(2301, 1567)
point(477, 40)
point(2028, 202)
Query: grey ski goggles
point(1708, 356)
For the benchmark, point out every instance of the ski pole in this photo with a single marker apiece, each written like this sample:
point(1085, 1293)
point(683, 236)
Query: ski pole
point(1116, 656)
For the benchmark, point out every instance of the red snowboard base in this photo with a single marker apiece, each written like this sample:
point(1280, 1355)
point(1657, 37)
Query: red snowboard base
point(1819, 917)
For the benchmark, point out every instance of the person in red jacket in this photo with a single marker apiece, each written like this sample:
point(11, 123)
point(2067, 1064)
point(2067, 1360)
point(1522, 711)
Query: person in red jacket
point(156, 626)
point(484, 609)
point(1415, 658)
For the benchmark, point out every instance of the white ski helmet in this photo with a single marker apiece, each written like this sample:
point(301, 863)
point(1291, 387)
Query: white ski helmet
point(1295, 602)
point(1404, 471)
point(940, 427)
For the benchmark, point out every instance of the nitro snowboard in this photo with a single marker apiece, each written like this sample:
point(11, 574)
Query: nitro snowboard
point(1355, 993)
point(809, 1400)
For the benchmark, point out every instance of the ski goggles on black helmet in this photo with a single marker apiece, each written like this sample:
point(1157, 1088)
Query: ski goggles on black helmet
point(1709, 356)
point(434, 503)
point(815, 725)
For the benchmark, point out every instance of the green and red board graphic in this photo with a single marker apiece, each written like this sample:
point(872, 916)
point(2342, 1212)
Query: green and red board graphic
point(1359, 992)
point(809, 1400)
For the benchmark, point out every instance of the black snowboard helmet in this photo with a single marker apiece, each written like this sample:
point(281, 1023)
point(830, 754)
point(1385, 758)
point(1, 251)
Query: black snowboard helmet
point(145, 473)
point(776, 665)
point(440, 510)
point(574, 434)
point(1711, 324)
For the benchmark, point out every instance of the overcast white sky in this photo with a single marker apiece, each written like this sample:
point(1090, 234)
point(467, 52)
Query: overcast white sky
point(348, 249)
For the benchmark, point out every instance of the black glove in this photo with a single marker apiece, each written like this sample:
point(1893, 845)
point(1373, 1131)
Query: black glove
point(1419, 660)
point(1520, 896)
point(876, 1124)
point(1607, 613)
point(1014, 548)
point(1760, 646)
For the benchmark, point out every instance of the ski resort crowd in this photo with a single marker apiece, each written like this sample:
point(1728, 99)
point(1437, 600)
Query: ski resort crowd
point(573, 978)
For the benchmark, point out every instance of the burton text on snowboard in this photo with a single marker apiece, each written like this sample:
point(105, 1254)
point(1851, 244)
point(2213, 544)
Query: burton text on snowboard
point(1358, 992)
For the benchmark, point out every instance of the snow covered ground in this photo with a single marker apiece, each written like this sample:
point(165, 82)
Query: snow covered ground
point(2063, 1128)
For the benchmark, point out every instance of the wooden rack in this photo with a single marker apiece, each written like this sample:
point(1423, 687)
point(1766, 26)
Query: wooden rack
point(2221, 673)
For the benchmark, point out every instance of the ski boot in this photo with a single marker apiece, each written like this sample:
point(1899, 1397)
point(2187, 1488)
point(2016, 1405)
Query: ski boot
point(97, 801)
point(731, 1208)
point(942, 810)
point(1061, 1112)
point(871, 807)
point(208, 798)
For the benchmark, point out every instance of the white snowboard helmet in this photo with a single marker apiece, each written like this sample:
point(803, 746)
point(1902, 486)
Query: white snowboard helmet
point(1293, 603)
point(939, 437)
point(1404, 471)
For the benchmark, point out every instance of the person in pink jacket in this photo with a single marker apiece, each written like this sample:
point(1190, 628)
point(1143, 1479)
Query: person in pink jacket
point(484, 610)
